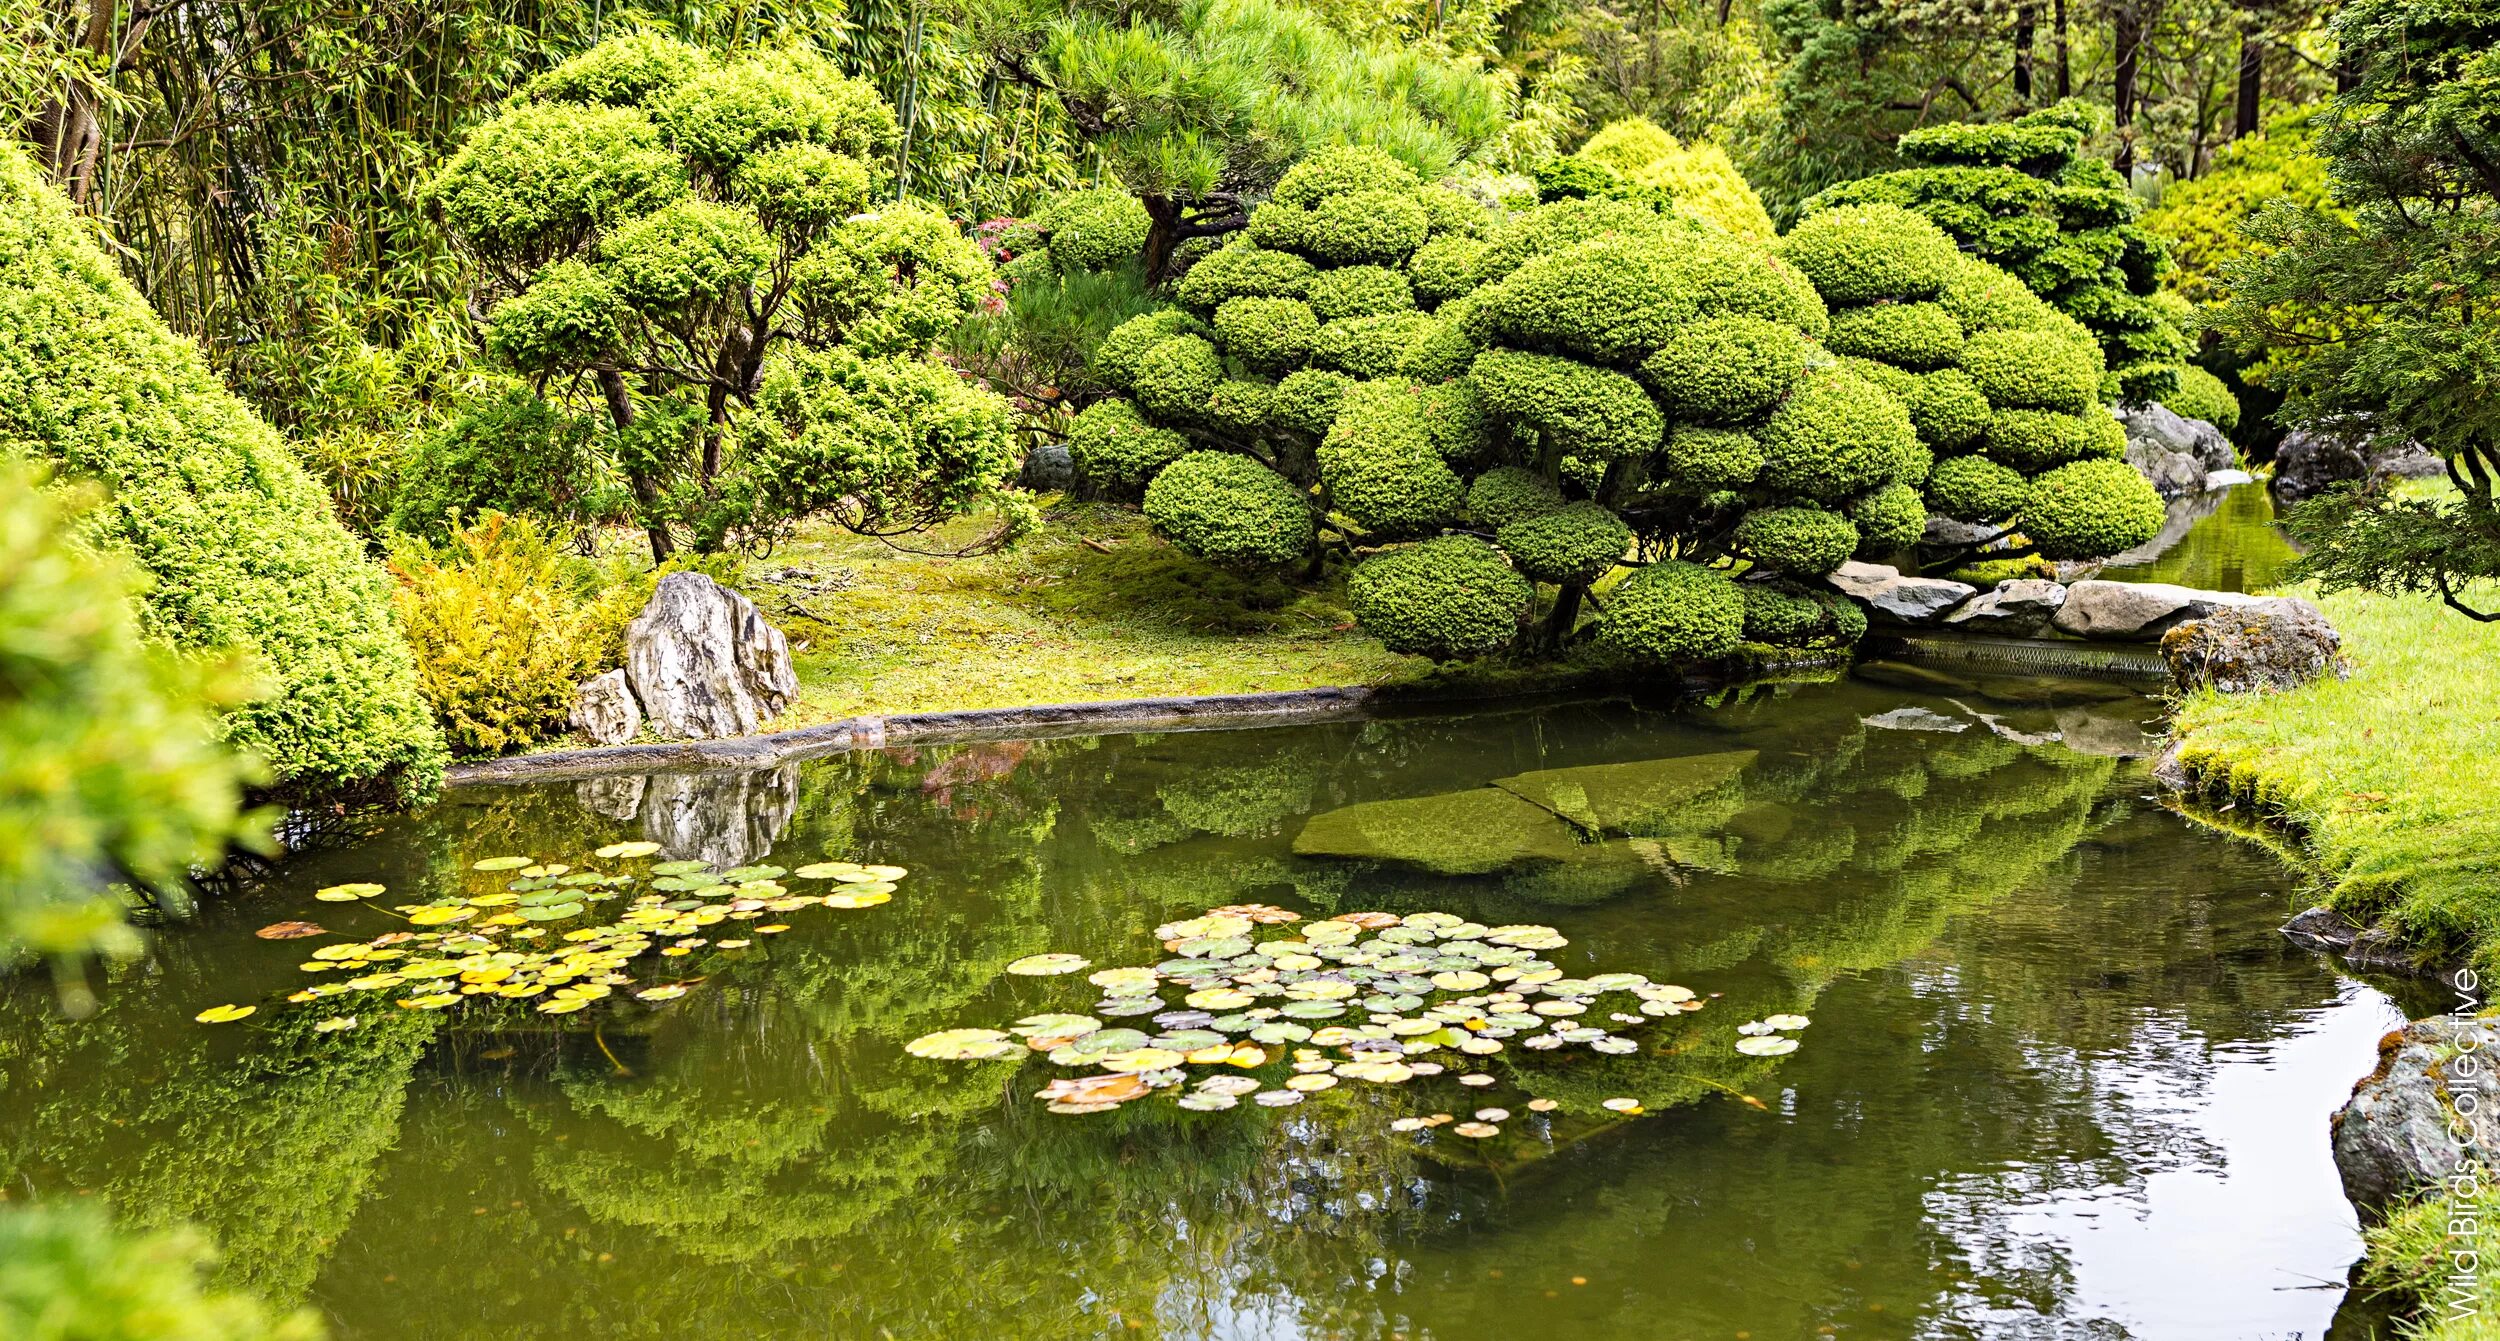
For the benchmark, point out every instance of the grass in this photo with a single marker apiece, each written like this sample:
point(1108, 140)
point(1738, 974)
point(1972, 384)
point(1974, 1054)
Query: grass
point(2388, 776)
point(2414, 1258)
point(1090, 608)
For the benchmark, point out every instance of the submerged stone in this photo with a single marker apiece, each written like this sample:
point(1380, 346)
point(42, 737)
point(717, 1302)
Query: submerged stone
point(1475, 832)
point(1649, 797)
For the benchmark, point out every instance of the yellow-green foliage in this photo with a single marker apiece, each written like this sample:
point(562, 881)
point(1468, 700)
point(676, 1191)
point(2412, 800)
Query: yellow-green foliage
point(2201, 217)
point(505, 624)
point(107, 751)
point(2417, 1252)
point(2386, 775)
point(245, 552)
point(66, 1275)
point(1699, 178)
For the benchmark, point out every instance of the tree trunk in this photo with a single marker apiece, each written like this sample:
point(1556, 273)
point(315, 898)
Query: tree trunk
point(68, 127)
point(2126, 30)
point(2026, 22)
point(646, 491)
point(2252, 84)
point(1566, 613)
point(2065, 69)
point(1163, 236)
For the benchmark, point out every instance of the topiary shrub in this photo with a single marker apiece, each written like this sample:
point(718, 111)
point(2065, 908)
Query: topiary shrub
point(1797, 540)
point(1633, 158)
point(1116, 451)
point(2090, 509)
point(1448, 599)
point(1092, 229)
point(1786, 615)
point(1595, 381)
point(1674, 612)
point(513, 453)
point(2024, 196)
point(2015, 393)
point(1572, 545)
point(246, 554)
point(2201, 395)
point(1227, 508)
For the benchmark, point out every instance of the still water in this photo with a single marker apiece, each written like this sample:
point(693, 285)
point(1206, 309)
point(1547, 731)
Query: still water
point(2062, 1079)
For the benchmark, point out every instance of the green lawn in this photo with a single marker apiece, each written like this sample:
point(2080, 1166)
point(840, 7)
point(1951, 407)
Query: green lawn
point(2391, 777)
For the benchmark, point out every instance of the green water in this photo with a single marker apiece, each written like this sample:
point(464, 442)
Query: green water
point(2230, 543)
point(2063, 1077)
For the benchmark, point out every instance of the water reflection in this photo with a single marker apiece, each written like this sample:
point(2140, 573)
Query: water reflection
point(2040, 1004)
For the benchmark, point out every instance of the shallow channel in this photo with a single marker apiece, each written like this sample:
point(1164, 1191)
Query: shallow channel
point(2063, 1077)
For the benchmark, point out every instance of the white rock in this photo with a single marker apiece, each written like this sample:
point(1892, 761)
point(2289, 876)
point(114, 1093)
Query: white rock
point(704, 662)
point(2224, 479)
point(1894, 599)
point(2137, 611)
point(1915, 719)
point(604, 709)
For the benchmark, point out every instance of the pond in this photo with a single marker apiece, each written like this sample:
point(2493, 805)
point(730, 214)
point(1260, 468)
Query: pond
point(2062, 1075)
point(2219, 540)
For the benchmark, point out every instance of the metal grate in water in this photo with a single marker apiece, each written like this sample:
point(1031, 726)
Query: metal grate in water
point(2037, 654)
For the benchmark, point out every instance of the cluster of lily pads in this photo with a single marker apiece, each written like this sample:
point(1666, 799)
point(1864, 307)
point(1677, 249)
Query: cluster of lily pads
point(512, 944)
point(1367, 996)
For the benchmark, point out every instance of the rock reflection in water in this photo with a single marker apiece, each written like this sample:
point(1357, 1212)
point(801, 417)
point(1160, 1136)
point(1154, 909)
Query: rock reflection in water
point(727, 819)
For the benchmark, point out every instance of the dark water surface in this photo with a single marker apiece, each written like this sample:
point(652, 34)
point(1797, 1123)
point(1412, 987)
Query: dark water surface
point(2063, 1077)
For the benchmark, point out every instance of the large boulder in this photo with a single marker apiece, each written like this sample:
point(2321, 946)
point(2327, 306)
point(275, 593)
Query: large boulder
point(2016, 607)
point(604, 710)
point(2174, 452)
point(2137, 611)
point(1891, 598)
point(2311, 460)
point(1048, 468)
point(1474, 832)
point(704, 662)
point(2282, 643)
point(2432, 1105)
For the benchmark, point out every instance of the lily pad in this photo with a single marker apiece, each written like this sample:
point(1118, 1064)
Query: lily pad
point(1766, 1046)
point(637, 848)
point(1047, 965)
point(347, 893)
point(503, 863)
point(224, 1014)
point(964, 1045)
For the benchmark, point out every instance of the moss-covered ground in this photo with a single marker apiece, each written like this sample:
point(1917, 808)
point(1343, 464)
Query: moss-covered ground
point(2391, 776)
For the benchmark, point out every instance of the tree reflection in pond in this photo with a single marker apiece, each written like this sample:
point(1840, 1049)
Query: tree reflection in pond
point(1995, 940)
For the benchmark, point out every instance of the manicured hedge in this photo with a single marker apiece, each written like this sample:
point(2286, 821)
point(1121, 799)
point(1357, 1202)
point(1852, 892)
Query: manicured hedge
point(243, 548)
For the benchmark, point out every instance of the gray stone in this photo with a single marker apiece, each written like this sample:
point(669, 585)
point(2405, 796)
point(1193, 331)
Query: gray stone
point(2137, 611)
point(2411, 1123)
point(2311, 460)
point(1945, 532)
point(2112, 729)
point(1474, 832)
point(2017, 606)
point(704, 662)
point(1891, 598)
point(2276, 644)
point(1917, 719)
point(1048, 468)
point(2225, 479)
point(727, 819)
point(617, 796)
point(2175, 453)
point(604, 709)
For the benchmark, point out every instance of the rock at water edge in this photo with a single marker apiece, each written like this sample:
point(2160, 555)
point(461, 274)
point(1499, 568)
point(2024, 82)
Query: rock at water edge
point(705, 663)
point(2137, 611)
point(2276, 644)
point(2432, 1105)
point(604, 709)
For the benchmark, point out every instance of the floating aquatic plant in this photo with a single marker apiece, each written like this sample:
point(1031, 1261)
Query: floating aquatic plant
point(1369, 997)
point(533, 940)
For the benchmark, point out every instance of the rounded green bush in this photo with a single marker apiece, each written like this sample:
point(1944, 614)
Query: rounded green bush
point(1370, 347)
point(685, 257)
point(1358, 291)
point(1916, 336)
point(1705, 459)
point(1740, 277)
point(1572, 545)
point(1726, 370)
point(2034, 440)
point(797, 189)
point(2201, 395)
point(1612, 299)
point(1094, 228)
point(1674, 612)
point(1366, 228)
point(1784, 615)
point(1868, 253)
point(1560, 225)
point(1380, 467)
point(1804, 541)
point(567, 316)
point(1116, 451)
point(2034, 370)
point(1508, 494)
point(1890, 519)
point(1589, 412)
point(1176, 375)
point(1115, 359)
point(1342, 170)
point(2090, 510)
point(1454, 419)
point(1838, 434)
point(1975, 489)
point(1443, 352)
point(1445, 268)
point(620, 72)
point(1307, 400)
point(531, 184)
point(1243, 406)
point(1448, 599)
point(1243, 269)
point(1226, 508)
point(1271, 333)
point(1947, 410)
